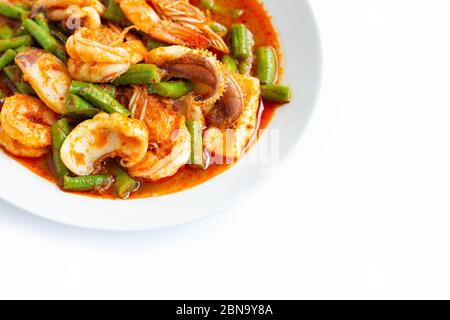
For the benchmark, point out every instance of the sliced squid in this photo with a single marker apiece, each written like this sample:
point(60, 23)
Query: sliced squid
point(102, 137)
point(232, 142)
point(47, 75)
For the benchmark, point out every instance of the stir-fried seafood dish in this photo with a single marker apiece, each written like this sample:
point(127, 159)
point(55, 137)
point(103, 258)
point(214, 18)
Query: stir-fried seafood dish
point(135, 98)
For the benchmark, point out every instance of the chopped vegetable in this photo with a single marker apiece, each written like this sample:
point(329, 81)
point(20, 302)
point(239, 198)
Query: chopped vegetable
point(45, 39)
point(172, 89)
point(195, 129)
point(13, 12)
point(276, 93)
point(267, 65)
point(242, 42)
point(115, 14)
point(6, 32)
point(98, 97)
point(78, 108)
point(15, 75)
point(15, 42)
point(218, 27)
point(154, 44)
point(42, 21)
point(87, 183)
point(139, 74)
point(230, 63)
point(124, 184)
point(60, 131)
point(7, 58)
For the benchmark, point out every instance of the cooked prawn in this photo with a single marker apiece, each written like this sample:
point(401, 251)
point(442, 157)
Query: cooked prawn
point(169, 140)
point(75, 13)
point(184, 13)
point(145, 18)
point(232, 142)
point(27, 120)
point(47, 75)
point(102, 55)
point(16, 148)
point(104, 136)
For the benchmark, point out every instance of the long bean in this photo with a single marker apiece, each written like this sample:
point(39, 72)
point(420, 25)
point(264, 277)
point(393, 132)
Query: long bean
point(139, 74)
point(124, 184)
point(218, 27)
point(60, 131)
point(97, 97)
point(42, 21)
point(15, 75)
point(45, 39)
point(7, 58)
point(115, 14)
point(242, 42)
point(6, 32)
point(171, 89)
point(87, 183)
point(230, 63)
point(276, 93)
point(266, 65)
point(12, 11)
point(195, 129)
point(15, 42)
point(78, 108)
point(107, 88)
point(154, 44)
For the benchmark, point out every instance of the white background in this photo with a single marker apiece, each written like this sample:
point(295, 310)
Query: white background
point(361, 211)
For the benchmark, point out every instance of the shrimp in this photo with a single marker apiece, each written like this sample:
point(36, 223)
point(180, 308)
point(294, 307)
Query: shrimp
point(47, 75)
point(103, 55)
point(185, 14)
point(75, 13)
point(16, 148)
point(232, 143)
point(28, 121)
point(170, 142)
point(224, 104)
point(145, 18)
point(104, 136)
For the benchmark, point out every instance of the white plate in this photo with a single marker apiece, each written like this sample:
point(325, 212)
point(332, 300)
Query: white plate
point(301, 50)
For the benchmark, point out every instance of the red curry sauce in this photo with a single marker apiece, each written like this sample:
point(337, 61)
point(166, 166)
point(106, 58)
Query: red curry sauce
point(260, 24)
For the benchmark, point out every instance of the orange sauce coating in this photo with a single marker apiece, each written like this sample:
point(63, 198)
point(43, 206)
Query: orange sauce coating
point(259, 22)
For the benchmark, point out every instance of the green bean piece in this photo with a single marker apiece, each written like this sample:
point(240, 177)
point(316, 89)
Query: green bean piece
point(218, 27)
point(7, 58)
point(171, 89)
point(60, 131)
point(245, 66)
point(208, 4)
point(42, 21)
point(97, 97)
point(15, 42)
point(13, 11)
point(139, 74)
point(87, 183)
point(15, 75)
point(266, 65)
point(115, 14)
point(195, 129)
point(20, 49)
point(230, 63)
point(107, 88)
point(124, 184)
point(276, 93)
point(78, 108)
point(45, 39)
point(154, 44)
point(242, 42)
point(236, 13)
point(6, 32)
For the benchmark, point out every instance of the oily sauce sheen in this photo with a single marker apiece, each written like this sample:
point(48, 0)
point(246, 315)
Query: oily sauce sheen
point(259, 22)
